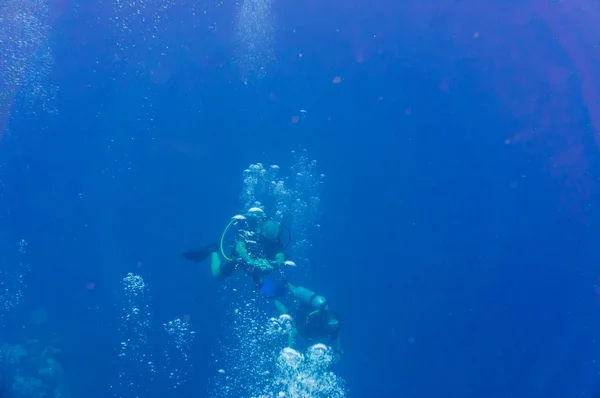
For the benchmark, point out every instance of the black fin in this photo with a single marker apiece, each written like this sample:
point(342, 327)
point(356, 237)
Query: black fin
point(200, 254)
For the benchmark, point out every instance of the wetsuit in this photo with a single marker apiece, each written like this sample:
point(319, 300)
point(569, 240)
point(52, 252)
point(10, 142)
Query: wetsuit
point(312, 326)
point(257, 246)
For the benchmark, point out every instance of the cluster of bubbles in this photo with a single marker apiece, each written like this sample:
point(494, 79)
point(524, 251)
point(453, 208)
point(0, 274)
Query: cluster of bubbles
point(255, 31)
point(26, 60)
point(298, 375)
point(247, 358)
point(135, 357)
point(280, 326)
point(140, 29)
point(307, 375)
point(13, 274)
point(306, 205)
point(138, 367)
point(139, 45)
point(139, 23)
point(263, 186)
point(293, 199)
point(145, 31)
point(259, 364)
point(178, 364)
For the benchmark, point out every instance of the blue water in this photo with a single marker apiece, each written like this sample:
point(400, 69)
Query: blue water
point(458, 213)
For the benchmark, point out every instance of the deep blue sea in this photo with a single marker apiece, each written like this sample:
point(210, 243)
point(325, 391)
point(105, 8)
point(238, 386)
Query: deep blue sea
point(436, 165)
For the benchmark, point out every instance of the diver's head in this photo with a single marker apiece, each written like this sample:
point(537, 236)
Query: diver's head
point(256, 212)
point(271, 229)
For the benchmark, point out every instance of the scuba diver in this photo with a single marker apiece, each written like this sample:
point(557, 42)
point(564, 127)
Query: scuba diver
point(258, 248)
point(315, 321)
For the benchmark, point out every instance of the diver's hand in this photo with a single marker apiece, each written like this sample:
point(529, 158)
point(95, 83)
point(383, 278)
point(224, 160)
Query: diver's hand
point(262, 264)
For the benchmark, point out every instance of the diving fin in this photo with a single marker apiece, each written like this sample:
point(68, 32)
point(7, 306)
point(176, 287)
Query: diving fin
point(267, 288)
point(200, 254)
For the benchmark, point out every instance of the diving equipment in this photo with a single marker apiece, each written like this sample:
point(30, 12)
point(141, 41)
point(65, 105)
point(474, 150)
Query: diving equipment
point(309, 297)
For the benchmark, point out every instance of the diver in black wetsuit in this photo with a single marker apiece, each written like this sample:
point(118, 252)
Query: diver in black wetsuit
point(258, 248)
point(315, 321)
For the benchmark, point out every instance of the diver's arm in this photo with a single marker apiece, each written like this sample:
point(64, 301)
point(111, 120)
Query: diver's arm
point(240, 249)
point(280, 258)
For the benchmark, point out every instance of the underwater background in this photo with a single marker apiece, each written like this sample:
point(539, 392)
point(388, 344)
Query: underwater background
point(438, 160)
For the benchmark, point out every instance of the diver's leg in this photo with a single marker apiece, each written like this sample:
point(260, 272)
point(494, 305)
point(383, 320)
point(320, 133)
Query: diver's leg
point(289, 287)
point(215, 264)
point(201, 254)
point(282, 310)
point(280, 307)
